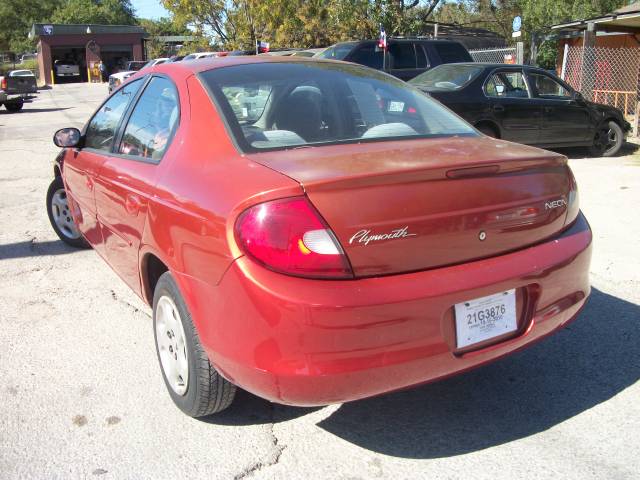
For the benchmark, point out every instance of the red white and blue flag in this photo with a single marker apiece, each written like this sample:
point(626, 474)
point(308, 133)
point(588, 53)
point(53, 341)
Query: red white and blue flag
point(382, 40)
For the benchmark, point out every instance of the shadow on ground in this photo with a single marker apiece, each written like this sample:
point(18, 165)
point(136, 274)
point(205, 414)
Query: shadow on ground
point(31, 248)
point(574, 370)
point(27, 109)
point(574, 153)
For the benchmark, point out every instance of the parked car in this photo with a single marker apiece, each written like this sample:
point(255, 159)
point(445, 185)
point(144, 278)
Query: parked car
point(66, 68)
point(341, 237)
point(197, 55)
point(526, 105)
point(135, 65)
point(117, 79)
point(309, 52)
point(405, 58)
point(28, 56)
point(17, 87)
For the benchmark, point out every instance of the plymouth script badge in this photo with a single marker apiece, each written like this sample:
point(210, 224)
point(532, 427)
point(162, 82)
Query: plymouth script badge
point(366, 236)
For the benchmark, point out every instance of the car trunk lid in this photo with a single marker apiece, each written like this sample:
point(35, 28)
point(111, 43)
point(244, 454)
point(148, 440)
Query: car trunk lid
point(412, 205)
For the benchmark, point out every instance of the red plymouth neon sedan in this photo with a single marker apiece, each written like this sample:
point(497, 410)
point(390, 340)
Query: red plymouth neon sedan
point(318, 232)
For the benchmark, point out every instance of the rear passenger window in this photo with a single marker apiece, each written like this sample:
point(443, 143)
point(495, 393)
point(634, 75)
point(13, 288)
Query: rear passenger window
point(451, 52)
point(403, 55)
point(507, 85)
point(153, 121)
point(369, 56)
point(103, 125)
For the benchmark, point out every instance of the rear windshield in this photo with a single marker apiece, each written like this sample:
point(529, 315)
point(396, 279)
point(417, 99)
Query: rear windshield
point(282, 105)
point(447, 77)
point(21, 73)
point(337, 51)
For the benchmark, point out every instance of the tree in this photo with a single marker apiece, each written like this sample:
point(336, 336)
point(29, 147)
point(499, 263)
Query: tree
point(161, 27)
point(298, 23)
point(106, 12)
point(16, 18)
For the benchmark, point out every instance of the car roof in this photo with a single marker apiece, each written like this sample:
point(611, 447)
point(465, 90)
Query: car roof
point(211, 63)
point(489, 65)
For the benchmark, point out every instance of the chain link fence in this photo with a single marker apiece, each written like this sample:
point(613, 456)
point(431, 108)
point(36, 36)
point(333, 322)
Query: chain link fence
point(604, 75)
point(494, 55)
point(10, 61)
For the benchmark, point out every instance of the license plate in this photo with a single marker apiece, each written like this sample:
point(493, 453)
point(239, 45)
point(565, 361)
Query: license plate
point(484, 318)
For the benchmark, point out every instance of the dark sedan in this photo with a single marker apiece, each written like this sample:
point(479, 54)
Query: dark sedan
point(525, 104)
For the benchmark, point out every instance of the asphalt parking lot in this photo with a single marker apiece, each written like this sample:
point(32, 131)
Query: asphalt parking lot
point(82, 395)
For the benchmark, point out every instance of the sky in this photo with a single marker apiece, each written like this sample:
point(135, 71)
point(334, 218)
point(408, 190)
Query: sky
point(149, 9)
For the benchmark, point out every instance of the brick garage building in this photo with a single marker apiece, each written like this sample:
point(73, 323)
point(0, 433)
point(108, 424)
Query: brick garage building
point(86, 45)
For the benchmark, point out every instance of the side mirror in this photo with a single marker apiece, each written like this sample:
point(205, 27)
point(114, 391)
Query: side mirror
point(577, 96)
point(67, 137)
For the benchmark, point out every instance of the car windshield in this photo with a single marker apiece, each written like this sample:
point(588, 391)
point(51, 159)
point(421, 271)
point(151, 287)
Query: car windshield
point(336, 52)
point(282, 105)
point(21, 73)
point(447, 77)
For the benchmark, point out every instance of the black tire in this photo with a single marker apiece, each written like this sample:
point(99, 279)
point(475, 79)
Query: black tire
point(15, 106)
point(607, 140)
point(488, 130)
point(65, 233)
point(207, 392)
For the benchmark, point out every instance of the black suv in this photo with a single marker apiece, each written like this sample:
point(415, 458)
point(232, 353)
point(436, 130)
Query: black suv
point(406, 58)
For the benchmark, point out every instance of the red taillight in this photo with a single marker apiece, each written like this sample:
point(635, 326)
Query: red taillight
point(3, 83)
point(289, 236)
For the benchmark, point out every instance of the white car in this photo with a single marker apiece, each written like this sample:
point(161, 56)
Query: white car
point(116, 79)
point(196, 56)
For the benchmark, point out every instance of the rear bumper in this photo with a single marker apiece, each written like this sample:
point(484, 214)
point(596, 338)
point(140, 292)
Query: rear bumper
point(10, 97)
point(314, 342)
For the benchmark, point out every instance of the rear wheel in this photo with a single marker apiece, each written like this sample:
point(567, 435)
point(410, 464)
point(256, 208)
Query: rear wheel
point(607, 140)
point(14, 106)
point(60, 215)
point(193, 383)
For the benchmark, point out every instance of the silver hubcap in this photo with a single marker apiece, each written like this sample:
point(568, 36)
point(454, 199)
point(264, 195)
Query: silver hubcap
point(62, 215)
point(172, 345)
point(606, 139)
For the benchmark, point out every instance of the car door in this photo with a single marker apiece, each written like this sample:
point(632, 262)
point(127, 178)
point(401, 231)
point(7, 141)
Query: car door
point(82, 165)
point(564, 119)
point(127, 176)
point(510, 105)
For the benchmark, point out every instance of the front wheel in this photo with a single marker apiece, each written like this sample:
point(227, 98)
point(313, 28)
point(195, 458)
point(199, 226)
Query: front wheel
point(60, 215)
point(193, 383)
point(607, 140)
point(14, 106)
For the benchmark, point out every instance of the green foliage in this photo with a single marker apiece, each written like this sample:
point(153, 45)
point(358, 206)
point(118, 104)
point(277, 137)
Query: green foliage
point(237, 24)
point(16, 18)
point(106, 12)
point(547, 53)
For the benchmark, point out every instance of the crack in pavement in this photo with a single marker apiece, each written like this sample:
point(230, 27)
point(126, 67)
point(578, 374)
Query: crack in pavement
point(273, 457)
point(135, 309)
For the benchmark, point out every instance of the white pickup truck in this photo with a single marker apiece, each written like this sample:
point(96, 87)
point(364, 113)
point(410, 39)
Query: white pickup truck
point(16, 87)
point(66, 68)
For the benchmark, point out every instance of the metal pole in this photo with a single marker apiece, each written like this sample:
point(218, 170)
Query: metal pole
point(564, 61)
point(519, 53)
